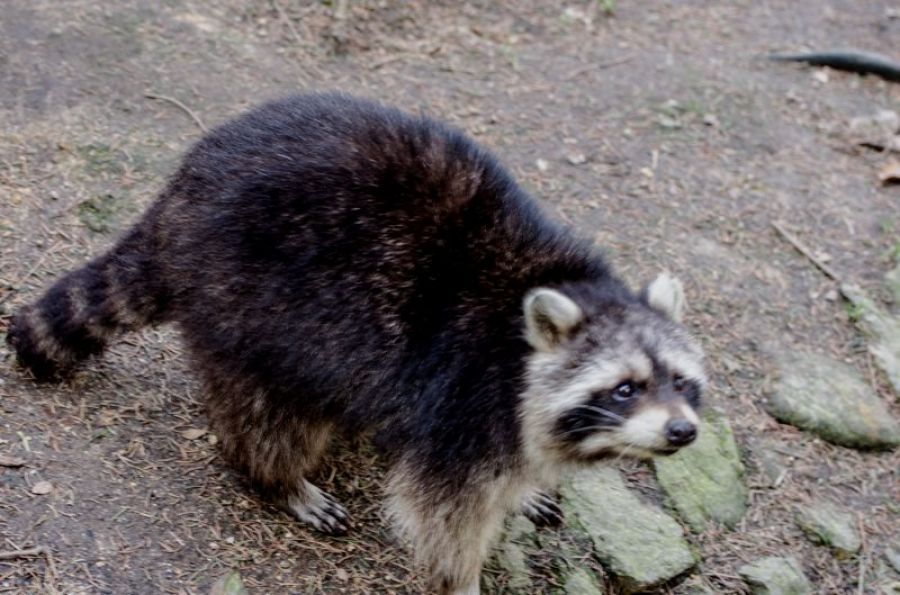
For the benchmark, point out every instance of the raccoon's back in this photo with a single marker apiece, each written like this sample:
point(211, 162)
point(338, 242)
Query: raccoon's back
point(328, 241)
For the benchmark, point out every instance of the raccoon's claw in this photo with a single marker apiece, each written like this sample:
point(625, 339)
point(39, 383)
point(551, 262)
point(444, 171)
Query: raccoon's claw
point(320, 510)
point(543, 510)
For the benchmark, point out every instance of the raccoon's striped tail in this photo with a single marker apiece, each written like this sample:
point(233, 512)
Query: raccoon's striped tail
point(117, 292)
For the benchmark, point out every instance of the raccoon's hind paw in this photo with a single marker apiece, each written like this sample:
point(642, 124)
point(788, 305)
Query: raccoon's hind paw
point(320, 510)
point(543, 510)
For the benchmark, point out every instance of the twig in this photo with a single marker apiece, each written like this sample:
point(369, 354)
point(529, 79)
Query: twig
point(802, 249)
point(599, 66)
point(181, 106)
point(287, 21)
point(29, 553)
point(864, 555)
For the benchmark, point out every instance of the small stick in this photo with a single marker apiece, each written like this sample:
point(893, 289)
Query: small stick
point(802, 249)
point(29, 553)
point(599, 66)
point(864, 555)
point(282, 14)
point(181, 106)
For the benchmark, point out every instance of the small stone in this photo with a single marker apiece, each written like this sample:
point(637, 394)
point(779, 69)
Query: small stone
point(829, 398)
point(831, 295)
point(342, 575)
point(710, 120)
point(542, 165)
point(775, 576)
point(705, 480)
point(827, 524)
point(668, 122)
point(639, 543)
point(576, 158)
point(230, 584)
point(580, 582)
point(820, 76)
point(42, 488)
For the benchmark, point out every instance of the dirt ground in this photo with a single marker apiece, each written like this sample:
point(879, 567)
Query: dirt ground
point(653, 127)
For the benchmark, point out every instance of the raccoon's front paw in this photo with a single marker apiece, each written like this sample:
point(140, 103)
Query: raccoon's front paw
point(543, 510)
point(320, 510)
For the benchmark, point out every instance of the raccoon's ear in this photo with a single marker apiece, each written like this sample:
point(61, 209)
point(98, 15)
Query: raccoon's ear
point(666, 293)
point(550, 317)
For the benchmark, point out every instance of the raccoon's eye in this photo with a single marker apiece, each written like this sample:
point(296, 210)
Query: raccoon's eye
point(624, 391)
point(679, 383)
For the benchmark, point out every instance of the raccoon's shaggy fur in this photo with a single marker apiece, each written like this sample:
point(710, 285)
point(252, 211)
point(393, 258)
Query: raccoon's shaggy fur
point(338, 266)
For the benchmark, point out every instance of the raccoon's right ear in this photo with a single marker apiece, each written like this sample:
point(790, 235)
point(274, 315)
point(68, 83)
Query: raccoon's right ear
point(550, 317)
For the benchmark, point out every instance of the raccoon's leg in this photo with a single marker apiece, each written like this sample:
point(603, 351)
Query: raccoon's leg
point(117, 292)
point(449, 533)
point(542, 509)
point(276, 450)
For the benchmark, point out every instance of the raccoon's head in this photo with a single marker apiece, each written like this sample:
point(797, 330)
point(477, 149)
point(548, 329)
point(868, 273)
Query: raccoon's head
point(611, 373)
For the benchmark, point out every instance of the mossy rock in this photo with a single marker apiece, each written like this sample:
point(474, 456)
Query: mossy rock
point(776, 576)
point(830, 399)
point(829, 525)
point(705, 480)
point(638, 543)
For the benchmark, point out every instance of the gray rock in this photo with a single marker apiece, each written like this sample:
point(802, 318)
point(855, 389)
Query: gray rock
point(830, 398)
point(640, 544)
point(883, 331)
point(775, 576)
point(580, 582)
point(511, 555)
point(827, 524)
point(704, 481)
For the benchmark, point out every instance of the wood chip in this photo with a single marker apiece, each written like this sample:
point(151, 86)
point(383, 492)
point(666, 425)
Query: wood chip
point(193, 433)
point(42, 488)
point(890, 173)
point(11, 461)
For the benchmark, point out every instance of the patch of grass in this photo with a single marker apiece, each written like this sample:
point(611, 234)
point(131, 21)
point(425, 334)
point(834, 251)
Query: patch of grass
point(100, 158)
point(854, 311)
point(607, 7)
point(98, 212)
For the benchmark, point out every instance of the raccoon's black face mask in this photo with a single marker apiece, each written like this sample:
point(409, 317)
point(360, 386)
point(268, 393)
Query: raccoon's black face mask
point(621, 377)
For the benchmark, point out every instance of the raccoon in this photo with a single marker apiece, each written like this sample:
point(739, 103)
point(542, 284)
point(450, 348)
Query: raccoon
point(337, 267)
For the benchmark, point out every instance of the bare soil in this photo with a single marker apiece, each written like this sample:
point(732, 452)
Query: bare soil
point(658, 130)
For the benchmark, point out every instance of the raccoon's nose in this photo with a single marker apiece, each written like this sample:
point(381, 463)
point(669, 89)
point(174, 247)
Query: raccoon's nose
point(680, 432)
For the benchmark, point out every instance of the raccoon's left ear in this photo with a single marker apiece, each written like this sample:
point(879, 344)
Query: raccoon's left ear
point(666, 293)
point(550, 317)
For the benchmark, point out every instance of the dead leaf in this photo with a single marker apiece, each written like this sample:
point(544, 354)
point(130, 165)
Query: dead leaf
point(193, 433)
point(890, 173)
point(11, 461)
point(42, 488)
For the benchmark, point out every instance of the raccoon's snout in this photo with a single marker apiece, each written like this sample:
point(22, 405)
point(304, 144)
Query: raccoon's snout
point(680, 432)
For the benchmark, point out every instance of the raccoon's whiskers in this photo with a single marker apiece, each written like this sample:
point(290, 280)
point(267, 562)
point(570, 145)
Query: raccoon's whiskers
point(585, 429)
point(602, 411)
